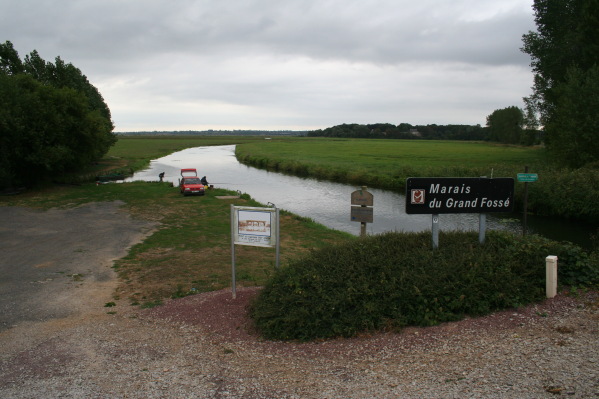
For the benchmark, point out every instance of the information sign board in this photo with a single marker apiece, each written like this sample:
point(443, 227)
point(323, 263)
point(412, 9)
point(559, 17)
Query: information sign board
point(362, 197)
point(527, 177)
point(362, 214)
point(254, 226)
point(436, 195)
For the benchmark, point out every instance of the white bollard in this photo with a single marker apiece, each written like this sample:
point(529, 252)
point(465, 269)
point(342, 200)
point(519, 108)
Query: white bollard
point(551, 276)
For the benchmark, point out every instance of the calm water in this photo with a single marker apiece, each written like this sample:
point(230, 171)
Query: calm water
point(329, 203)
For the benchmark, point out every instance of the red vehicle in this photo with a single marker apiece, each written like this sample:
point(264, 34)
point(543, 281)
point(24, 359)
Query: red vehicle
point(190, 183)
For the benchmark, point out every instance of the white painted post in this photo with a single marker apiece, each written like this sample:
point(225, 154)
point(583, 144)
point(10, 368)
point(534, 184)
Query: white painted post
point(551, 276)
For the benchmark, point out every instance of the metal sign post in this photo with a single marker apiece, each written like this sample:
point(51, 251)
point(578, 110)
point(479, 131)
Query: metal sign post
point(258, 227)
point(526, 178)
point(482, 227)
point(435, 231)
point(482, 223)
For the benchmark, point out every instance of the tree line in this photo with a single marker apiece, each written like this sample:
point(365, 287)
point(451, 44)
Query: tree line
point(52, 119)
point(403, 131)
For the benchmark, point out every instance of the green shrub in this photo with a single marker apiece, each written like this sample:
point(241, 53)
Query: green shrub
point(569, 193)
point(396, 279)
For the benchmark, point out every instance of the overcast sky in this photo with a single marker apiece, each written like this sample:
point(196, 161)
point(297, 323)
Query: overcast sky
point(285, 64)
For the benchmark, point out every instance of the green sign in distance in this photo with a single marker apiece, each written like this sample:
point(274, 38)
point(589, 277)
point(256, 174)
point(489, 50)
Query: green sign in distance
point(528, 177)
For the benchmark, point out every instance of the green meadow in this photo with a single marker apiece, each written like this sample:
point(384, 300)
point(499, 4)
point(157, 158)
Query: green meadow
point(387, 163)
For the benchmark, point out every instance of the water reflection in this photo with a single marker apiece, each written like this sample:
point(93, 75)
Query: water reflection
point(326, 202)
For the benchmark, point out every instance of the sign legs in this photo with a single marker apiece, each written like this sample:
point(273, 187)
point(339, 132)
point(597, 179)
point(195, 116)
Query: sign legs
point(435, 229)
point(482, 227)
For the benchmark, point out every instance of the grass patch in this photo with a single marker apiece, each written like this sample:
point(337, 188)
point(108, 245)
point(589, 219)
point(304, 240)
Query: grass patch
point(190, 250)
point(395, 280)
point(151, 304)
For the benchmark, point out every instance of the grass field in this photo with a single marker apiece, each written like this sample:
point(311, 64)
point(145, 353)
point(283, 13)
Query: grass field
point(135, 152)
point(386, 163)
point(395, 153)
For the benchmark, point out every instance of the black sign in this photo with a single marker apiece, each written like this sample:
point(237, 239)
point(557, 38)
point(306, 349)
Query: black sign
point(434, 195)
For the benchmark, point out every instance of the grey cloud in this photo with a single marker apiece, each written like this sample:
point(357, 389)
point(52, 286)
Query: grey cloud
point(374, 31)
point(310, 60)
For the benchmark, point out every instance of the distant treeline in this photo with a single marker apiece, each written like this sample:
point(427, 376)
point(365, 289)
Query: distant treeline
point(404, 131)
point(352, 130)
point(220, 133)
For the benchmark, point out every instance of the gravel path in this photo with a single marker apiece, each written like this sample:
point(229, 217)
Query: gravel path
point(202, 347)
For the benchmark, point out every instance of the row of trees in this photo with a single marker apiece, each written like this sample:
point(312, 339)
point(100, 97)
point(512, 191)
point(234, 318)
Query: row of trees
point(52, 119)
point(503, 126)
point(403, 131)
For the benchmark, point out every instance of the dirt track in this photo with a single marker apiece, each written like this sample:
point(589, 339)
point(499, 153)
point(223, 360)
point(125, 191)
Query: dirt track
point(55, 264)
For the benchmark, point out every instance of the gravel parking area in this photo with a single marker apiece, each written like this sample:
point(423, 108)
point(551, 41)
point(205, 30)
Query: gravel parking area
point(203, 346)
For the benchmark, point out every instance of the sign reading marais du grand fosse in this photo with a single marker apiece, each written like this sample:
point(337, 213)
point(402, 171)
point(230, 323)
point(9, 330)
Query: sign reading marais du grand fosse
point(434, 195)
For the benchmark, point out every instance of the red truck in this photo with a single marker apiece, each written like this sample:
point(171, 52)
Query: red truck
point(190, 183)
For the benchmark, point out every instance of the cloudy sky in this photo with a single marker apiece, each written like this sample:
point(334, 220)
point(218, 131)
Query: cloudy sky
point(284, 64)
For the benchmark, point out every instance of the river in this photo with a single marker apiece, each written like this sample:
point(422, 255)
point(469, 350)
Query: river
point(328, 203)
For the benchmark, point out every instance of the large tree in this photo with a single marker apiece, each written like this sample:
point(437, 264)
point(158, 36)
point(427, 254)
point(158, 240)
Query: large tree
point(52, 119)
point(505, 125)
point(564, 52)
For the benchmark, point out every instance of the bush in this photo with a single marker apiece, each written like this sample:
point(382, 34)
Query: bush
point(569, 193)
point(396, 279)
